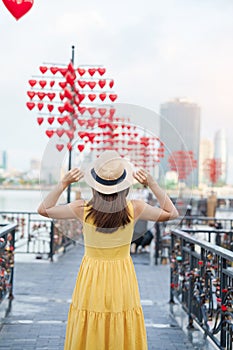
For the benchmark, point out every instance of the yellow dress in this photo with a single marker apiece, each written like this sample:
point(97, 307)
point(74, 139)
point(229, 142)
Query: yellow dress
point(105, 312)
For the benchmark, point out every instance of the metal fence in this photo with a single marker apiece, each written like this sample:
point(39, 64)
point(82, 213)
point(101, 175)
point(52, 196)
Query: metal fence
point(42, 237)
point(202, 281)
point(7, 247)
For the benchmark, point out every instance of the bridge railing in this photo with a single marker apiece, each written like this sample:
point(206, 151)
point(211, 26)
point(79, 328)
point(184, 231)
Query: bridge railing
point(40, 236)
point(7, 247)
point(202, 281)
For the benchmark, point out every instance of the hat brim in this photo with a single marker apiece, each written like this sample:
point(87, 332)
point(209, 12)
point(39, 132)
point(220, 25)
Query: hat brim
point(106, 189)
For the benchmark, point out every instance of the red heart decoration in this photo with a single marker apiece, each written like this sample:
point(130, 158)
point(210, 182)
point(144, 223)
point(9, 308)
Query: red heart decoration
point(70, 78)
point(76, 100)
point(91, 71)
point(102, 96)
point(41, 95)
point(52, 82)
point(82, 134)
point(61, 96)
point(60, 132)
point(92, 97)
point(61, 109)
point(62, 84)
point(81, 71)
point(102, 111)
point(92, 84)
point(91, 137)
point(68, 94)
point(50, 107)
point(43, 69)
point(30, 105)
point(68, 119)
point(81, 97)
point(31, 94)
point(91, 110)
point(60, 147)
point(101, 70)
point(69, 146)
point(51, 120)
point(61, 120)
point(68, 107)
point(82, 83)
point(40, 106)
point(102, 83)
point(32, 82)
point(91, 123)
point(63, 71)
point(111, 112)
point(49, 133)
point(81, 122)
point(111, 83)
point(113, 97)
point(51, 95)
point(82, 109)
point(18, 8)
point(81, 148)
point(40, 120)
point(70, 134)
point(42, 83)
point(54, 70)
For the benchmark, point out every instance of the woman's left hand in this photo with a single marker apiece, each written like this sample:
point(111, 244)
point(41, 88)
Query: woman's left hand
point(73, 175)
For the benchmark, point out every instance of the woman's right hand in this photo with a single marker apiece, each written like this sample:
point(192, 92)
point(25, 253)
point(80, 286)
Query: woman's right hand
point(73, 175)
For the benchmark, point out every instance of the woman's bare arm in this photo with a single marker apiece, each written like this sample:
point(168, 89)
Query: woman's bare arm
point(72, 210)
point(144, 211)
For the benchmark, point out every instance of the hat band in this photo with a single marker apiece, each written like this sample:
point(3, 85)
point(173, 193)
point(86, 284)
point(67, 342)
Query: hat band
point(108, 182)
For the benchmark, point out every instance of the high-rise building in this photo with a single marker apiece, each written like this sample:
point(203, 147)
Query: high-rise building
point(180, 131)
point(3, 160)
point(220, 152)
point(206, 152)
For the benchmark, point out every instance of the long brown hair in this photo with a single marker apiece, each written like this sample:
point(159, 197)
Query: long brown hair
point(109, 211)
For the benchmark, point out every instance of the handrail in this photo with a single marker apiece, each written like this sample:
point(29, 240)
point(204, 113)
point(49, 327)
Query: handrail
point(202, 281)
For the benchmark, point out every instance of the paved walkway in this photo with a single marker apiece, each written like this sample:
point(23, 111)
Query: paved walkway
point(43, 290)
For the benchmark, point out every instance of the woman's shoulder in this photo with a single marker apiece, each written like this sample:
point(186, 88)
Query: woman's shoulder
point(78, 206)
point(138, 206)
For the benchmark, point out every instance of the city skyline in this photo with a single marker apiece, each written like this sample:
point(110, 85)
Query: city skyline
point(154, 53)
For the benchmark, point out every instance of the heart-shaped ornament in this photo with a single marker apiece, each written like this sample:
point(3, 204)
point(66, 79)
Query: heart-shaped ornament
point(18, 8)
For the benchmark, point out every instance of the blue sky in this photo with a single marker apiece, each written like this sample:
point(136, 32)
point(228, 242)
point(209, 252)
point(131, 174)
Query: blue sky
point(155, 51)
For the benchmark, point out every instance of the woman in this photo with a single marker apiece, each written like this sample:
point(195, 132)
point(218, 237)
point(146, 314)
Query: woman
point(105, 312)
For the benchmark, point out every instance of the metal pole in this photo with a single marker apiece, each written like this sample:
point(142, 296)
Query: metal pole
point(70, 151)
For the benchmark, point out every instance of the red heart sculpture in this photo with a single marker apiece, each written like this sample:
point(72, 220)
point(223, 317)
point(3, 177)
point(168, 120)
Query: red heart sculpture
point(49, 133)
point(61, 109)
point(69, 146)
point(92, 84)
point(31, 94)
point(42, 83)
point(43, 69)
point(102, 96)
point(81, 122)
point(111, 83)
point(30, 105)
point(82, 134)
point(81, 97)
point(54, 70)
point(18, 8)
point(70, 134)
point(62, 84)
point(91, 110)
point(51, 120)
point(81, 71)
point(52, 82)
point(40, 120)
point(102, 83)
point(32, 82)
point(81, 148)
point(61, 120)
point(82, 109)
point(91, 97)
point(91, 71)
point(101, 70)
point(50, 107)
point(63, 71)
point(113, 97)
point(60, 132)
point(82, 83)
point(40, 106)
point(60, 147)
point(102, 111)
point(51, 95)
point(41, 95)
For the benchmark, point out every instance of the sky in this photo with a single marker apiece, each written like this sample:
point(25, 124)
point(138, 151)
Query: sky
point(154, 50)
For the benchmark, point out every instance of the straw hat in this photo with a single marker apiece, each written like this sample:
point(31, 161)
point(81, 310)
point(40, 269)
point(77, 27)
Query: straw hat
point(110, 173)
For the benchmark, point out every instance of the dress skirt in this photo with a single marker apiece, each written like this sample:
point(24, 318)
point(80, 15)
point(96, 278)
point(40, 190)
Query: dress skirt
point(105, 312)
